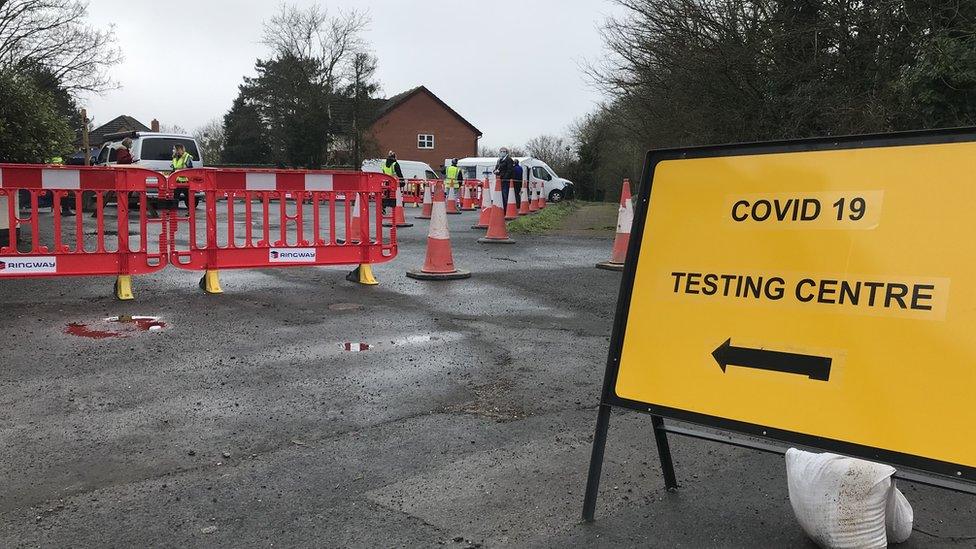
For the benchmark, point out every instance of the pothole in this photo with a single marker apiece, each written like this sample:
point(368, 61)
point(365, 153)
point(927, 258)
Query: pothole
point(115, 326)
point(489, 403)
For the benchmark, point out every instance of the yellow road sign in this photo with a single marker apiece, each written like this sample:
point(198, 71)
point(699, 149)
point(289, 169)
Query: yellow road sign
point(822, 293)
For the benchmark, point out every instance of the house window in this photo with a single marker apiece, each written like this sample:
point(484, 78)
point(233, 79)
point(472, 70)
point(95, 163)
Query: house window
point(425, 141)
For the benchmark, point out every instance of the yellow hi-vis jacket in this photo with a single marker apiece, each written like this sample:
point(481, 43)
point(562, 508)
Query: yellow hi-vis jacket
point(181, 162)
point(452, 176)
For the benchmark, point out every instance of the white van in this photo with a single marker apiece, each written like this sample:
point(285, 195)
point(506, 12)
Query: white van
point(412, 169)
point(150, 150)
point(153, 151)
point(556, 188)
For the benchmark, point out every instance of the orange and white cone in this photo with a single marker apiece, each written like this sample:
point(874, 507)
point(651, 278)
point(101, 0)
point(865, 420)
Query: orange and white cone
point(534, 200)
point(511, 212)
point(354, 232)
point(467, 201)
point(497, 229)
point(452, 202)
point(543, 199)
point(398, 217)
point(625, 218)
point(485, 217)
point(428, 204)
point(439, 263)
point(524, 199)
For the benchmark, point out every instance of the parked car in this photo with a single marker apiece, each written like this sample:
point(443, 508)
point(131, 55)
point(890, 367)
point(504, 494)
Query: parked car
point(153, 151)
point(555, 188)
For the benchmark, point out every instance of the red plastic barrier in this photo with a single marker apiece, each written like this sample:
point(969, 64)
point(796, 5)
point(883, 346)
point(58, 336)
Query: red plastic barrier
point(413, 191)
point(281, 218)
point(57, 245)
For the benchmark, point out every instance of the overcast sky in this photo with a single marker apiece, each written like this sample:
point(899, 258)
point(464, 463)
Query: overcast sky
point(512, 68)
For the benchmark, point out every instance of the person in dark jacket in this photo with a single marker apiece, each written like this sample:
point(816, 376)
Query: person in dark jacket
point(503, 171)
point(517, 180)
point(122, 155)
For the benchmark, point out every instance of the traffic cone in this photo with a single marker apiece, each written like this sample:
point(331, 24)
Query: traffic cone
point(485, 217)
point(439, 263)
point(625, 218)
point(355, 233)
point(467, 200)
point(510, 211)
point(524, 199)
point(452, 202)
point(398, 217)
point(428, 204)
point(497, 230)
point(542, 195)
point(534, 200)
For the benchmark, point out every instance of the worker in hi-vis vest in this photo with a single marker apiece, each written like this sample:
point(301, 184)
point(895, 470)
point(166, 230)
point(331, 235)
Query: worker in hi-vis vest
point(392, 167)
point(453, 178)
point(181, 160)
point(452, 175)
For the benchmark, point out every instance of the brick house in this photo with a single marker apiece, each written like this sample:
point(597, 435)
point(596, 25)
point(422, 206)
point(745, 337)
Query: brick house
point(123, 123)
point(419, 126)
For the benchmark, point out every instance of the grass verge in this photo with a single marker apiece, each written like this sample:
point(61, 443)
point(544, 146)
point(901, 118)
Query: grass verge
point(547, 220)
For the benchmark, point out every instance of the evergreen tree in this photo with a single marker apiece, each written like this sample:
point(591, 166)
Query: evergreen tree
point(32, 130)
point(246, 140)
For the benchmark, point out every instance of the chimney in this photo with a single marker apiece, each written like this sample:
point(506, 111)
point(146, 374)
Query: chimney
point(154, 125)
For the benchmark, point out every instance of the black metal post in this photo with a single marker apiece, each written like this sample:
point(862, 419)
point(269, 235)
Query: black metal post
point(596, 462)
point(664, 453)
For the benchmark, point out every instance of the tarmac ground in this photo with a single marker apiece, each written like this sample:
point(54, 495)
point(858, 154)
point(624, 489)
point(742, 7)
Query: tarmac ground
point(242, 420)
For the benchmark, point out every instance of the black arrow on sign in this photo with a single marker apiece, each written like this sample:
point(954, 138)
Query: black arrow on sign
point(814, 367)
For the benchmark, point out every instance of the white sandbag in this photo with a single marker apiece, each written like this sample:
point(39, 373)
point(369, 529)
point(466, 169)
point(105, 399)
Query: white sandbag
point(899, 516)
point(840, 502)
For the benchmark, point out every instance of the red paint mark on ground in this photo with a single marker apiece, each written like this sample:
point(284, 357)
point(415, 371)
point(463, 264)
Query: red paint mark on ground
point(120, 326)
point(82, 330)
point(147, 323)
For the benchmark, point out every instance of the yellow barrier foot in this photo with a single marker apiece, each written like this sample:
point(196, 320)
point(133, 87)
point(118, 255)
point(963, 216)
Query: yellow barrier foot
point(210, 282)
point(123, 288)
point(363, 274)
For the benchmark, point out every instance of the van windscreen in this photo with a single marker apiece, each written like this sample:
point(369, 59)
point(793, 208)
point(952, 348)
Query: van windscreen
point(161, 148)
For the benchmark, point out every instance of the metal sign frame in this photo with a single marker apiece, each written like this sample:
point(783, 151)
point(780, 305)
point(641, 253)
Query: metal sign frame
point(759, 437)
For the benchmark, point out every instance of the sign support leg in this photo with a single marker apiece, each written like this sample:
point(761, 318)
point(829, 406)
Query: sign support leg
point(664, 453)
point(596, 463)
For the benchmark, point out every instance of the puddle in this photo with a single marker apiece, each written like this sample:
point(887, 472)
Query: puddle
point(116, 326)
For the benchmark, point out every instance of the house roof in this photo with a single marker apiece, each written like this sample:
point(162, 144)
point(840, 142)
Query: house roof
point(400, 98)
point(123, 123)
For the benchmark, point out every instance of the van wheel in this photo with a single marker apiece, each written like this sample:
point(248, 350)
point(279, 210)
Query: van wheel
point(556, 196)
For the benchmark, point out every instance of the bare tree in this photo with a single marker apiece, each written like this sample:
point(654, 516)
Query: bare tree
point(172, 128)
point(53, 35)
point(553, 150)
point(488, 152)
point(210, 137)
point(310, 33)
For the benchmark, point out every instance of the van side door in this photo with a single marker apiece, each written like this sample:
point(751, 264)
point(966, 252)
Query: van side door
point(539, 173)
